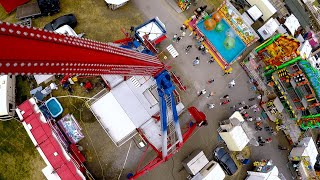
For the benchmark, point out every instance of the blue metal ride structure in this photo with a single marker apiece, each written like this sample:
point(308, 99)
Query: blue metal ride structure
point(167, 106)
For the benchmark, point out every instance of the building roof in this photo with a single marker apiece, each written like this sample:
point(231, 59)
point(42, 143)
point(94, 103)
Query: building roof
point(45, 141)
point(254, 12)
point(265, 7)
point(307, 148)
point(3, 95)
point(297, 9)
point(292, 23)
point(41, 78)
point(116, 2)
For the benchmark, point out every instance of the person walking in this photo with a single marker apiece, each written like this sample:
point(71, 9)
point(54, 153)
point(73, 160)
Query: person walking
point(269, 140)
point(225, 102)
point(233, 107)
point(256, 109)
point(211, 94)
point(246, 107)
point(245, 114)
point(210, 106)
point(242, 103)
point(196, 61)
point(211, 81)
point(253, 106)
point(225, 97)
point(178, 39)
point(188, 48)
point(232, 84)
point(211, 60)
point(192, 32)
point(249, 118)
point(201, 39)
point(183, 28)
point(227, 70)
point(203, 91)
point(175, 37)
point(259, 97)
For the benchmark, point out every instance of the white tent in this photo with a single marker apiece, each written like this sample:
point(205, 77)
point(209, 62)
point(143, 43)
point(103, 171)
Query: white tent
point(307, 148)
point(292, 24)
point(269, 28)
point(233, 134)
point(43, 78)
point(116, 2)
point(254, 12)
point(305, 50)
point(265, 7)
point(271, 175)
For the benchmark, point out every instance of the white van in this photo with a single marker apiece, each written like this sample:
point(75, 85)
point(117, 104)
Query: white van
point(200, 168)
point(7, 96)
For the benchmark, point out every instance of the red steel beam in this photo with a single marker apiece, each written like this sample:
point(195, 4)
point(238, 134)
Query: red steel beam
point(26, 50)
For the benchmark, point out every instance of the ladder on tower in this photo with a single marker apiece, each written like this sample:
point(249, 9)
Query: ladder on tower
point(172, 138)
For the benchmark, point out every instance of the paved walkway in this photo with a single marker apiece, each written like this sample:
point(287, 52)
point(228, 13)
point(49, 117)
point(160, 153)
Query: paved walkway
point(196, 77)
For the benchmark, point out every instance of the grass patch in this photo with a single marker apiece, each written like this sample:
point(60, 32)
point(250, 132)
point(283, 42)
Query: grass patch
point(19, 158)
point(75, 105)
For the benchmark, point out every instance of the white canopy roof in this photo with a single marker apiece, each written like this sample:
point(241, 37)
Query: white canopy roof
point(269, 28)
point(4, 109)
point(235, 137)
point(41, 78)
point(292, 24)
point(271, 175)
point(305, 50)
point(265, 7)
point(306, 148)
point(254, 12)
point(152, 29)
point(116, 2)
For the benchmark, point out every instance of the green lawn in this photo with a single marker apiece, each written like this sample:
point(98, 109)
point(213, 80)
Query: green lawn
point(18, 156)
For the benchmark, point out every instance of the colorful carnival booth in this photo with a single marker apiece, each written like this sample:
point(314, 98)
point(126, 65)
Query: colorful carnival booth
point(225, 34)
point(278, 50)
point(295, 80)
point(184, 4)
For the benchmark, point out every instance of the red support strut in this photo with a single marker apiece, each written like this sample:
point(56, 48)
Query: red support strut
point(26, 50)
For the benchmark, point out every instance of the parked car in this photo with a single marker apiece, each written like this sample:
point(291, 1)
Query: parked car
point(317, 164)
point(224, 159)
point(68, 19)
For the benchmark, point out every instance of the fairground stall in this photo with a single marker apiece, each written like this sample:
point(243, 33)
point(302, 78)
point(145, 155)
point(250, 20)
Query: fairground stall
point(287, 82)
point(303, 158)
point(234, 132)
point(264, 170)
point(62, 157)
point(225, 34)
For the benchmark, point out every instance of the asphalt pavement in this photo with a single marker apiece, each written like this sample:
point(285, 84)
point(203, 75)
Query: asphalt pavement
point(195, 78)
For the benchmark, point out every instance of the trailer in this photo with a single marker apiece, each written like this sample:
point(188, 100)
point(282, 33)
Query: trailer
point(200, 168)
point(38, 8)
point(115, 4)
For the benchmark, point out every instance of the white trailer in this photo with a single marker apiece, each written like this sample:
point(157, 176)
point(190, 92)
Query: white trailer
point(7, 96)
point(200, 168)
point(115, 4)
